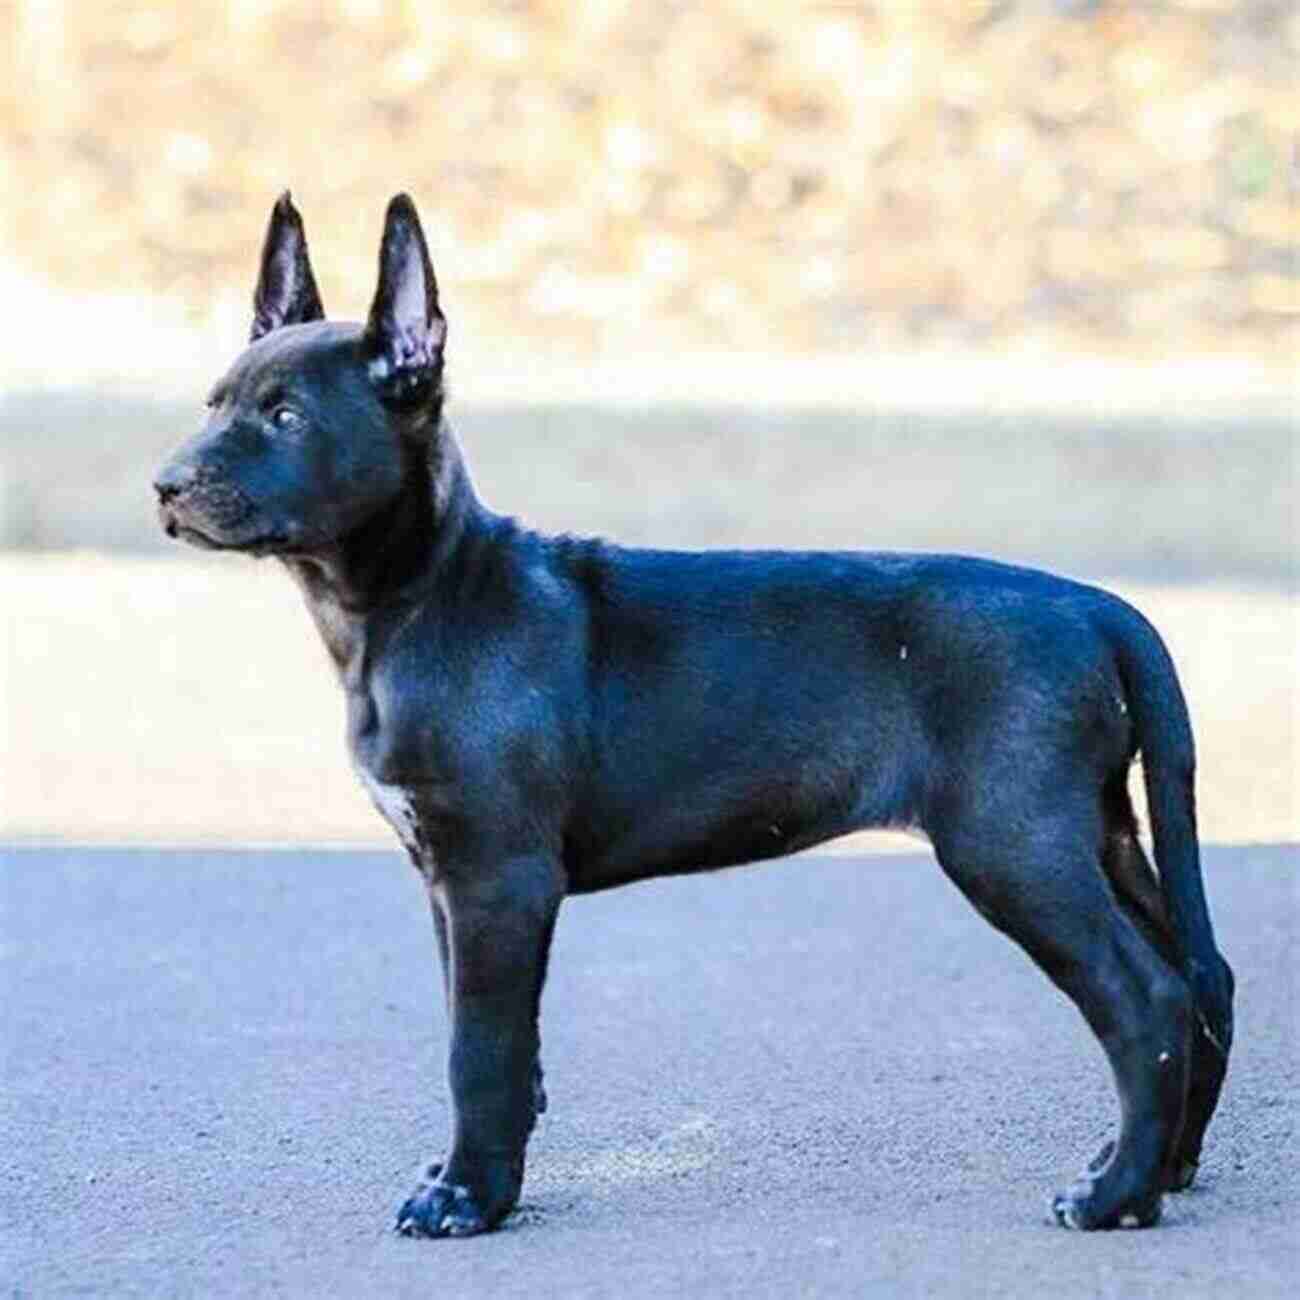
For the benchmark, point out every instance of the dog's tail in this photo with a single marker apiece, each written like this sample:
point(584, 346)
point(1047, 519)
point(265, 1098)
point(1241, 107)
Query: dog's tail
point(1164, 736)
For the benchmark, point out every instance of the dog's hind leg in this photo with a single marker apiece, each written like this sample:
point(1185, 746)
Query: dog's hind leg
point(1038, 879)
point(1138, 892)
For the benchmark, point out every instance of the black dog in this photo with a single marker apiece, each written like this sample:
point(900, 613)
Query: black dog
point(544, 716)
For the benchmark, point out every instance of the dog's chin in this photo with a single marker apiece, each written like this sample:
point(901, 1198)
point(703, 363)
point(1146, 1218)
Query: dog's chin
point(253, 543)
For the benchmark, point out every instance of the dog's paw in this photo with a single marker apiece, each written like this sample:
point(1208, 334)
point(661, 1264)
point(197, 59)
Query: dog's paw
point(443, 1206)
point(1086, 1208)
point(440, 1209)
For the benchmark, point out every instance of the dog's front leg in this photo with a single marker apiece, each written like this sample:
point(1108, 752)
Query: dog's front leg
point(497, 925)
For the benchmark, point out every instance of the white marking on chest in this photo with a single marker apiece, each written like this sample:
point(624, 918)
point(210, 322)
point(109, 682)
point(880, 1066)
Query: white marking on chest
point(396, 807)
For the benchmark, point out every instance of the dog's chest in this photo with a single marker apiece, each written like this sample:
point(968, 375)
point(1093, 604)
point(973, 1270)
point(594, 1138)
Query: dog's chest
point(402, 763)
point(396, 804)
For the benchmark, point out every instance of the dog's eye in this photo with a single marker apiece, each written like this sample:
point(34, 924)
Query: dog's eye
point(285, 417)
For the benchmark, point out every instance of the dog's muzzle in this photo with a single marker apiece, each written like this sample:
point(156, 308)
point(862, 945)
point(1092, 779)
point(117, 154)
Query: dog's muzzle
point(201, 506)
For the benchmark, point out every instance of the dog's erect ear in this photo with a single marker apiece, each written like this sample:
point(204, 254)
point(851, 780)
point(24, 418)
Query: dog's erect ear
point(286, 291)
point(406, 329)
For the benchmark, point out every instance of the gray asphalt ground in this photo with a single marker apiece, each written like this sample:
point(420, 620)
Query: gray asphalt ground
point(827, 1077)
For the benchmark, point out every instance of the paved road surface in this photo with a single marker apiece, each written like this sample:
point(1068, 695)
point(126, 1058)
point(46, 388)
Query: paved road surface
point(824, 1078)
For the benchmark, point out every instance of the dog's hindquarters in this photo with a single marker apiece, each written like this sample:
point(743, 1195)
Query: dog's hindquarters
point(1030, 817)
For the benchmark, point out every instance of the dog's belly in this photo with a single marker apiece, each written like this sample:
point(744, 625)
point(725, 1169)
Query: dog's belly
point(679, 836)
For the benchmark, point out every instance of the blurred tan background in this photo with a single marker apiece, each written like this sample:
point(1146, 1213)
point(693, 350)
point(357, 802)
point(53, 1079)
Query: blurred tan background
point(1018, 277)
point(632, 175)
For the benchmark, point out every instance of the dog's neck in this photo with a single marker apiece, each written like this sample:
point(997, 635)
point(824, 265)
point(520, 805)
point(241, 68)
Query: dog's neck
point(396, 556)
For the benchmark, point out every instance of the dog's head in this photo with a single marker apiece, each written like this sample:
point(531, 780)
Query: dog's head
point(310, 431)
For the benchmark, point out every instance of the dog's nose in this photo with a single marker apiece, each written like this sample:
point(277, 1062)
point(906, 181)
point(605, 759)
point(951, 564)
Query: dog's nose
point(172, 480)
